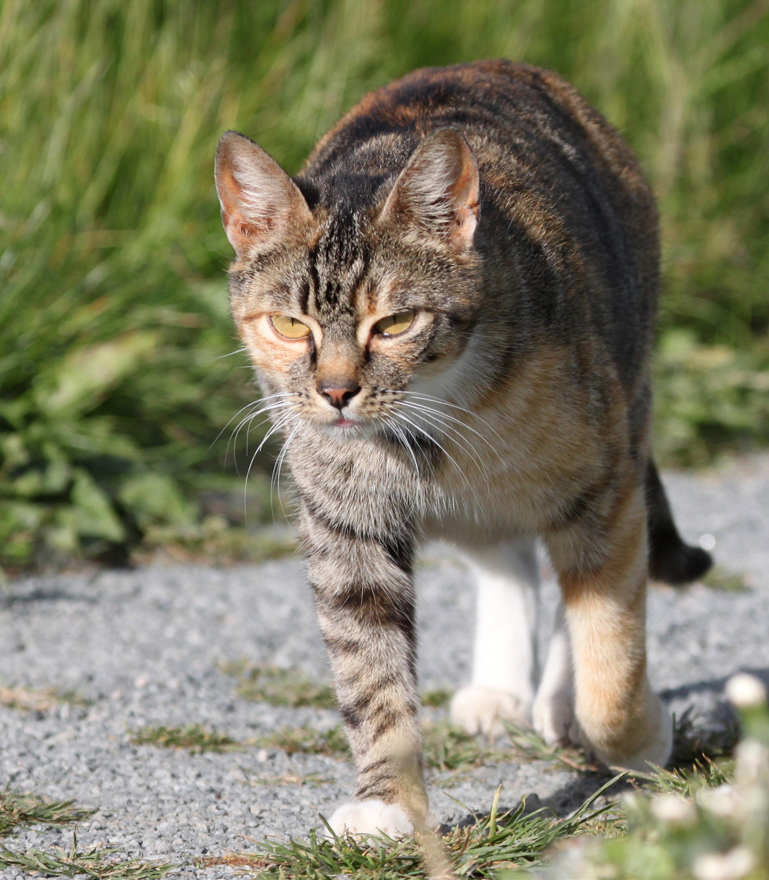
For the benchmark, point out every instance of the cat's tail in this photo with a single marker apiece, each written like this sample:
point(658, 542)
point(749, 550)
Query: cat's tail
point(670, 559)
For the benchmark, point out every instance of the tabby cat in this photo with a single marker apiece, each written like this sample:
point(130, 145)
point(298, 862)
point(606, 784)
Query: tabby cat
point(450, 311)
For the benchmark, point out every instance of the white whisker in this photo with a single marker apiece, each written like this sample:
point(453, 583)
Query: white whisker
point(403, 440)
point(248, 420)
point(401, 415)
point(253, 403)
point(434, 420)
point(237, 351)
point(275, 478)
point(455, 420)
point(441, 402)
point(276, 426)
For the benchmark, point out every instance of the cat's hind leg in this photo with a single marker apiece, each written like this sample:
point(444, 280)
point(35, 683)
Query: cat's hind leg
point(553, 716)
point(504, 654)
point(601, 560)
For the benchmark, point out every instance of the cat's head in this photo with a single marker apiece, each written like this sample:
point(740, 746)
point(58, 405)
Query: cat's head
point(348, 290)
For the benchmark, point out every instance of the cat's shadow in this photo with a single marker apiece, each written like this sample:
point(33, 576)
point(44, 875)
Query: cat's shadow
point(559, 804)
point(715, 686)
point(565, 800)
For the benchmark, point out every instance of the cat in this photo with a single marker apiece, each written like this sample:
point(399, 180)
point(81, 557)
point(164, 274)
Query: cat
point(450, 310)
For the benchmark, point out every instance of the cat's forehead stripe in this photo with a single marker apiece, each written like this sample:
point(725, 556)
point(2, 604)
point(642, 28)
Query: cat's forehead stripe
point(338, 265)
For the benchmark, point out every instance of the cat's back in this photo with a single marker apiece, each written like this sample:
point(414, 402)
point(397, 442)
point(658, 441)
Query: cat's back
point(563, 199)
point(537, 118)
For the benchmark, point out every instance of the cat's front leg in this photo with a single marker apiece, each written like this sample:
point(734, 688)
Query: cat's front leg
point(504, 652)
point(602, 567)
point(364, 596)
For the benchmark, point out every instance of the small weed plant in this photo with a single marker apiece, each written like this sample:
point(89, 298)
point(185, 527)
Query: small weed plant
point(192, 738)
point(279, 686)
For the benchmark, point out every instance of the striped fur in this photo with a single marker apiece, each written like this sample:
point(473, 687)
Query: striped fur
point(492, 202)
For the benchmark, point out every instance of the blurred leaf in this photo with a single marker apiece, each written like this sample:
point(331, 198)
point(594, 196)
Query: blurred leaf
point(709, 398)
point(93, 513)
point(80, 380)
point(155, 498)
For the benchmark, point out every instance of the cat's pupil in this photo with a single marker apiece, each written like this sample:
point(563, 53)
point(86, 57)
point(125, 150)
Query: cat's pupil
point(393, 325)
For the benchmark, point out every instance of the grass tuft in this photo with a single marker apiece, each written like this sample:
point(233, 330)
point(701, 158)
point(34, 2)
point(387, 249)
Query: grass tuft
point(279, 686)
point(528, 745)
point(449, 748)
point(95, 862)
point(18, 809)
point(37, 700)
point(726, 581)
point(214, 541)
point(495, 843)
point(307, 740)
point(192, 738)
point(437, 698)
point(25, 810)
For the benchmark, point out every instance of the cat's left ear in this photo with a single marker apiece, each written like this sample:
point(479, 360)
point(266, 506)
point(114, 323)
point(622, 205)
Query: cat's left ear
point(438, 190)
point(261, 205)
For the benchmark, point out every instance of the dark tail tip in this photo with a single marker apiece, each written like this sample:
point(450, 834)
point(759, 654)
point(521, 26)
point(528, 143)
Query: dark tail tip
point(670, 560)
point(676, 563)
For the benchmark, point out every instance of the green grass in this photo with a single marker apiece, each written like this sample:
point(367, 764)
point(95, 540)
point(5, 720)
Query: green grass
point(291, 687)
point(436, 698)
point(115, 374)
point(727, 581)
point(498, 841)
point(213, 541)
point(672, 825)
point(97, 862)
point(280, 687)
point(447, 748)
point(192, 738)
point(18, 810)
point(307, 740)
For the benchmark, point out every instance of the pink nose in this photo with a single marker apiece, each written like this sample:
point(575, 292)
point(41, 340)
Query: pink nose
point(338, 392)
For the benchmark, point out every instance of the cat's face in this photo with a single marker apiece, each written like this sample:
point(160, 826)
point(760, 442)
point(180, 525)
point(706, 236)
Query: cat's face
point(345, 307)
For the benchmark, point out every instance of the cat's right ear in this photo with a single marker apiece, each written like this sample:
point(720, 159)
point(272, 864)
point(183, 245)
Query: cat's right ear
point(438, 190)
point(260, 203)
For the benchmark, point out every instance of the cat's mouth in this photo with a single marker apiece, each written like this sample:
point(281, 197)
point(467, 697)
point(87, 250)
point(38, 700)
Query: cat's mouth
point(350, 428)
point(345, 424)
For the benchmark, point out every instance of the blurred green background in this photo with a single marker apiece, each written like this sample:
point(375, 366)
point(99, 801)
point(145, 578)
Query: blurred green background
point(117, 369)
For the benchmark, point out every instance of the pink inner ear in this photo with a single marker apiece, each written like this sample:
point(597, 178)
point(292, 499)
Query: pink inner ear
point(259, 200)
point(466, 195)
point(466, 223)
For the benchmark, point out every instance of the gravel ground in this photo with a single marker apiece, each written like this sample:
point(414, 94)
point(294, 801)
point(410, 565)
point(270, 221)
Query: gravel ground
point(145, 647)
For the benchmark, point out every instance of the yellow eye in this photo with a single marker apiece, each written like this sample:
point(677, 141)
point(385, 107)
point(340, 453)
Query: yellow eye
point(289, 327)
point(394, 325)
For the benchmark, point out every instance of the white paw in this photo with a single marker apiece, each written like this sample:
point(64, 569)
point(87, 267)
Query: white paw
point(371, 818)
point(554, 718)
point(482, 710)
